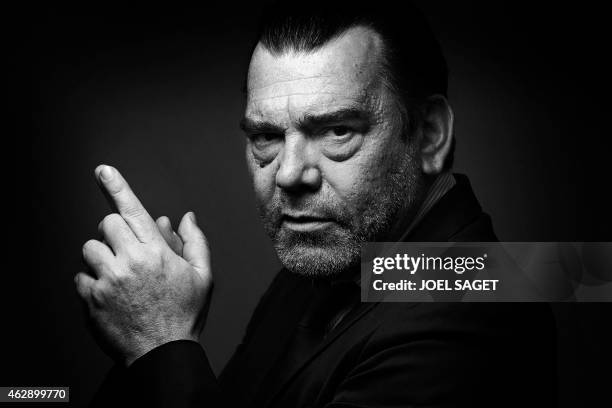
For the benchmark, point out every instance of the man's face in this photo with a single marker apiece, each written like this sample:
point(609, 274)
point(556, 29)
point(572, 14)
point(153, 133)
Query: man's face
point(324, 147)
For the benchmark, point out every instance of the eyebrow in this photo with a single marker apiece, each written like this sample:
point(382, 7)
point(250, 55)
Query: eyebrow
point(313, 121)
point(248, 125)
point(309, 121)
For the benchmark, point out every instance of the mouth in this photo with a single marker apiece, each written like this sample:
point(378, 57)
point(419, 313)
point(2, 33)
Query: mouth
point(305, 223)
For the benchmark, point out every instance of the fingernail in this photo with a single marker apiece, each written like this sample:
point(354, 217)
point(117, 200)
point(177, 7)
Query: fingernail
point(106, 174)
point(193, 217)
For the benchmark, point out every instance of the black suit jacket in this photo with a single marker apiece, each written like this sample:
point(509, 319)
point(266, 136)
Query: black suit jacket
point(380, 355)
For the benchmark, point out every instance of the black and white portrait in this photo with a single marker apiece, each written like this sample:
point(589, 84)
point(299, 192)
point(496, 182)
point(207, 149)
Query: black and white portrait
point(205, 180)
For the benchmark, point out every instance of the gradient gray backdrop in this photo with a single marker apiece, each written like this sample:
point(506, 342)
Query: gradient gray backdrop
point(157, 94)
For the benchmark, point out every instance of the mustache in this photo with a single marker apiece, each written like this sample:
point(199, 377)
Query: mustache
point(283, 207)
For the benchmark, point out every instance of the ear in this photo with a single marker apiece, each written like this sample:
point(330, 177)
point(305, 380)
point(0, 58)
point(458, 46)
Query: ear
point(437, 134)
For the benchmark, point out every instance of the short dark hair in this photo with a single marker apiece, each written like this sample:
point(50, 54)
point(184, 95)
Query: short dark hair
point(413, 63)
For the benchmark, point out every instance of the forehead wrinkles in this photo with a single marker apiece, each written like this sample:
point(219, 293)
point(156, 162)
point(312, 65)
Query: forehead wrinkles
point(347, 65)
point(315, 94)
point(314, 85)
point(293, 99)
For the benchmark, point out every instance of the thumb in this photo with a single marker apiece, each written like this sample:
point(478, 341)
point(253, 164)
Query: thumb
point(195, 245)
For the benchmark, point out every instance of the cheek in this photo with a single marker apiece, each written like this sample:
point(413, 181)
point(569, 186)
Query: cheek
point(351, 179)
point(362, 176)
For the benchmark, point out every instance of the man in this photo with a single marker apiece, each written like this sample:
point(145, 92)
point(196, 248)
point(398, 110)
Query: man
point(349, 140)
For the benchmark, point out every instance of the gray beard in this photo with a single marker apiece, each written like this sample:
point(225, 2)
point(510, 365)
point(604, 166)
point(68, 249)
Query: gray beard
point(336, 250)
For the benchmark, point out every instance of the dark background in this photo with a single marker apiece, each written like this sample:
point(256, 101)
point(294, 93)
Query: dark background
point(157, 93)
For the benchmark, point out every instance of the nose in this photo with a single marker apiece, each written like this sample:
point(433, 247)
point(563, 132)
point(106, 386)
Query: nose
point(298, 168)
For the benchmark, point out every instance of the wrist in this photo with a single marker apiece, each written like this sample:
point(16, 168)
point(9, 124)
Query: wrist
point(149, 346)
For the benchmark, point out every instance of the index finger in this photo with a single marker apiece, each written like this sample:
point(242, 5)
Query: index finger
point(124, 201)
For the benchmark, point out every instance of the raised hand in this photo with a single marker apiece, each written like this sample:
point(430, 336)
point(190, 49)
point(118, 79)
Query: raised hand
point(147, 284)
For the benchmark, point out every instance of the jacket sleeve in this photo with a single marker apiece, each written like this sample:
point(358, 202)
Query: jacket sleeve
point(175, 374)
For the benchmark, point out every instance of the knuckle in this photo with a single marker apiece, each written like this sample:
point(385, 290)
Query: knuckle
point(98, 296)
point(109, 221)
point(112, 218)
point(118, 279)
point(146, 257)
point(133, 211)
point(89, 247)
point(143, 259)
point(137, 261)
point(116, 189)
point(155, 250)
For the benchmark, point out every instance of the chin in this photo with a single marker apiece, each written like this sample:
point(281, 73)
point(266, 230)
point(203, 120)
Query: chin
point(318, 259)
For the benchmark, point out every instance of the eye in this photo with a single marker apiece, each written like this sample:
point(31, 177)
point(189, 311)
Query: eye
point(339, 143)
point(263, 140)
point(338, 133)
point(265, 146)
point(340, 130)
